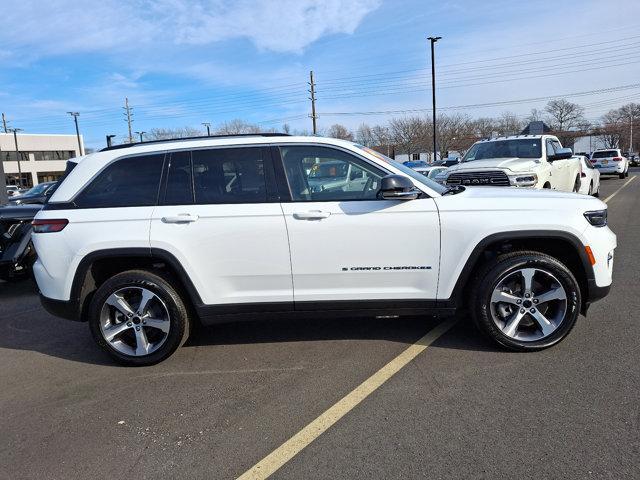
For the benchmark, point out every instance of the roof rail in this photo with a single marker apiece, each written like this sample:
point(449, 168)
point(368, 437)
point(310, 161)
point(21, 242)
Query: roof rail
point(202, 137)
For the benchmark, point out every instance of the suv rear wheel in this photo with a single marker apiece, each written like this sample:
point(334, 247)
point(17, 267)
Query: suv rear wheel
point(526, 301)
point(138, 318)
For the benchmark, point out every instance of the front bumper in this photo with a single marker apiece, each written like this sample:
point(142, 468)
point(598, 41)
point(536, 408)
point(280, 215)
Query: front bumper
point(594, 293)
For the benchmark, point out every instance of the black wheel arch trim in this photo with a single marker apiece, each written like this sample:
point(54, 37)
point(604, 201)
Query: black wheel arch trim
point(78, 295)
point(458, 290)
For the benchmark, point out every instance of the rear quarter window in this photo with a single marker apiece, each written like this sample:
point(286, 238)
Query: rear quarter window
point(129, 182)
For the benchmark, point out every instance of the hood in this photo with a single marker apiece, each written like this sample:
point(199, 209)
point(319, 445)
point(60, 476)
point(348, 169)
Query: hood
point(19, 212)
point(513, 164)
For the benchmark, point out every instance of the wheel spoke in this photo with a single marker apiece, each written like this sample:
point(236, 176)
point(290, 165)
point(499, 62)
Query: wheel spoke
point(157, 323)
point(120, 303)
point(115, 330)
point(552, 294)
point(505, 297)
point(142, 344)
point(527, 276)
point(512, 325)
point(147, 296)
point(545, 325)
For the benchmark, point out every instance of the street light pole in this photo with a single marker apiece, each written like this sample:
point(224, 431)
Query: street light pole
point(141, 134)
point(208, 125)
point(15, 139)
point(75, 116)
point(109, 137)
point(433, 40)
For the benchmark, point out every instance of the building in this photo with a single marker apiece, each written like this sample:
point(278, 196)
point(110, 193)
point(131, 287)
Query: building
point(42, 157)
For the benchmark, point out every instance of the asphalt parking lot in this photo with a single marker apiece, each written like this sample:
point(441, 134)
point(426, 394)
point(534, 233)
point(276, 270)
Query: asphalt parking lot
point(459, 409)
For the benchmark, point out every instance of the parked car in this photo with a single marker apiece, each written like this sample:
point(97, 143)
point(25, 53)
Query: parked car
point(38, 194)
point(533, 161)
point(610, 161)
point(16, 250)
point(589, 177)
point(415, 164)
point(634, 160)
point(431, 171)
point(13, 190)
point(143, 257)
point(447, 162)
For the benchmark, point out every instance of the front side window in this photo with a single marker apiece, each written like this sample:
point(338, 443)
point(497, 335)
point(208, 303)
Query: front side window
point(319, 174)
point(129, 182)
point(229, 175)
point(550, 149)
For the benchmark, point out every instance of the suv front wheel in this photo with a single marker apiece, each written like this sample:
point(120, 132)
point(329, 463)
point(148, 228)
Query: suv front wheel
point(526, 301)
point(138, 318)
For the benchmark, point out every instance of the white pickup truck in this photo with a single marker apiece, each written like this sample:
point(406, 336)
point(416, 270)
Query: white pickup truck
point(536, 161)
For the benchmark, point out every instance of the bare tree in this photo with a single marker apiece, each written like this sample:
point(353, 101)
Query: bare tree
point(286, 128)
point(455, 132)
point(410, 134)
point(535, 116)
point(365, 136)
point(339, 131)
point(611, 129)
point(169, 133)
point(236, 127)
point(564, 115)
point(484, 127)
point(509, 124)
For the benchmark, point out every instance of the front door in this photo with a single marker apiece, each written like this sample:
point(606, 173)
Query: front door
point(346, 244)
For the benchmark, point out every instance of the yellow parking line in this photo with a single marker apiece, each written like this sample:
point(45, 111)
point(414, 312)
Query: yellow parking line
point(616, 192)
point(289, 449)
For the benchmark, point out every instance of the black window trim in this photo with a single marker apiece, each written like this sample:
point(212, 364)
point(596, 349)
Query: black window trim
point(283, 184)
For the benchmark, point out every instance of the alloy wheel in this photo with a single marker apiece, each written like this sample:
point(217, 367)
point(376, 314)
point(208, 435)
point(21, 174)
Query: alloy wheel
point(528, 304)
point(134, 321)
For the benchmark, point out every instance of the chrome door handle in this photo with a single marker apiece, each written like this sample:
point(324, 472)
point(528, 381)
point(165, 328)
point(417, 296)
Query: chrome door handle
point(311, 215)
point(180, 218)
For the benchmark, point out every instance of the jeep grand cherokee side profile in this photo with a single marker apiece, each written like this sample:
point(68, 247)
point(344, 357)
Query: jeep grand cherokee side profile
point(143, 242)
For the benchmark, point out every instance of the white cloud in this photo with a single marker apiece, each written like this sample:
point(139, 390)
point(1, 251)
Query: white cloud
point(68, 26)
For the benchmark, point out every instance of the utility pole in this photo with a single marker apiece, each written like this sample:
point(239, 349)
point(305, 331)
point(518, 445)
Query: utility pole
point(128, 115)
point(433, 40)
point(75, 116)
point(631, 134)
point(109, 137)
point(141, 134)
point(208, 125)
point(15, 139)
point(312, 91)
point(4, 123)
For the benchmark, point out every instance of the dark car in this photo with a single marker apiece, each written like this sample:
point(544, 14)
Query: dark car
point(38, 194)
point(447, 162)
point(16, 250)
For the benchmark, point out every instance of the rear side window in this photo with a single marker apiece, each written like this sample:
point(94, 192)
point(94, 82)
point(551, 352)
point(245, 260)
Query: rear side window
point(130, 182)
point(179, 181)
point(229, 175)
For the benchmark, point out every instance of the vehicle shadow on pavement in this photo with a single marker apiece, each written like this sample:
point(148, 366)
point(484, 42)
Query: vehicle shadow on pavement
point(402, 330)
point(25, 325)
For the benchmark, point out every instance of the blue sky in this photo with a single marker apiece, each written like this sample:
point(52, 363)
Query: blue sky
point(184, 62)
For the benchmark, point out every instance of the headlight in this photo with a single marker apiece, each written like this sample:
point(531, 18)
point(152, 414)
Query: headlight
point(523, 179)
point(597, 218)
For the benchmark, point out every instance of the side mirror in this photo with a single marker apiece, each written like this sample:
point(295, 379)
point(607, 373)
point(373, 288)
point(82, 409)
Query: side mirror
point(561, 154)
point(397, 187)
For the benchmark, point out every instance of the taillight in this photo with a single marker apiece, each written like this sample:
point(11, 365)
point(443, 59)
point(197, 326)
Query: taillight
point(594, 161)
point(583, 175)
point(49, 225)
point(617, 159)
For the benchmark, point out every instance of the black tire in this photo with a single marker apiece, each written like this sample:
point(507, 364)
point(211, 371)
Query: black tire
point(547, 186)
point(487, 280)
point(626, 172)
point(621, 175)
point(576, 185)
point(590, 188)
point(178, 315)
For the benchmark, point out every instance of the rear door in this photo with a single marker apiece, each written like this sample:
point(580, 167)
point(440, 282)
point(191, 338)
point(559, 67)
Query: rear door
point(348, 245)
point(219, 216)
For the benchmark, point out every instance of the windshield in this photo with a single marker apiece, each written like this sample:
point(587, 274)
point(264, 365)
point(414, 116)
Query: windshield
point(519, 148)
point(406, 170)
point(605, 154)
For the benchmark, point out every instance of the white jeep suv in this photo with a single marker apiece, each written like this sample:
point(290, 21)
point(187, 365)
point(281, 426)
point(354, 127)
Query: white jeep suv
point(144, 241)
point(536, 161)
point(610, 161)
